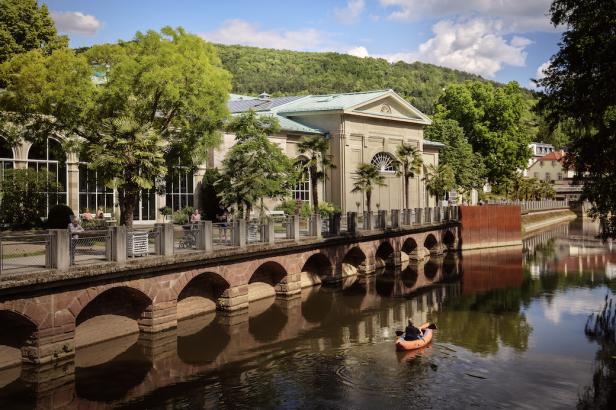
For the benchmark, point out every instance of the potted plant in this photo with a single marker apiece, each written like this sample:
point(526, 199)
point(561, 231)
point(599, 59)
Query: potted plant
point(166, 212)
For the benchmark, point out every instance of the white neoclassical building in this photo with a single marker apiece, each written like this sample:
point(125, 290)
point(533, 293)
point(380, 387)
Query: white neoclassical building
point(362, 127)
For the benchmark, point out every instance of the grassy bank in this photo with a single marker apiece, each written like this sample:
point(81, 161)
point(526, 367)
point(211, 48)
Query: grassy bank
point(540, 220)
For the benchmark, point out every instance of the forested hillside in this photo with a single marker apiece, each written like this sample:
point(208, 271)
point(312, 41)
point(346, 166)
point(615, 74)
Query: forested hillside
point(282, 72)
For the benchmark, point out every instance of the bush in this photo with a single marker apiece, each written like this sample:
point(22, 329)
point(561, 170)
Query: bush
point(182, 216)
point(94, 224)
point(326, 209)
point(59, 217)
point(292, 207)
point(23, 197)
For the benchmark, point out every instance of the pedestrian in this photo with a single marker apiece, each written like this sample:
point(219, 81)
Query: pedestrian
point(195, 217)
point(74, 228)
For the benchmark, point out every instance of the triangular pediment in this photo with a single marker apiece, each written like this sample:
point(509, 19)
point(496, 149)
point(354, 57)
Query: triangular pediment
point(391, 106)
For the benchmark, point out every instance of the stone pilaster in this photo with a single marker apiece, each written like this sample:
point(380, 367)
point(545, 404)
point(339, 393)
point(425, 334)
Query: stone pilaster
point(235, 298)
point(159, 316)
point(72, 182)
point(289, 286)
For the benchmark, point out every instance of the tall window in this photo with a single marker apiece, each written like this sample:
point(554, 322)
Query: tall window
point(93, 195)
point(179, 187)
point(6, 157)
point(301, 191)
point(384, 162)
point(49, 156)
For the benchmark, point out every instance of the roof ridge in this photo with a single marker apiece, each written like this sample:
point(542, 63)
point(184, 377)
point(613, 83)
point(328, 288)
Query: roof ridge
point(351, 93)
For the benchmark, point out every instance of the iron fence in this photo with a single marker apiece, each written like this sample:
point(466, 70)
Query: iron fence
point(23, 253)
point(186, 239)
point(222, 234)
point(88, 246)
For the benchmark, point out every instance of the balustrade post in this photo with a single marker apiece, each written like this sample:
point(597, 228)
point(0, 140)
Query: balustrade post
point(427, 215)
point(382, 220)
point(334, 224)
point(395, 218)
point(419, 215)
point(117, 242)
point(269, 232)
point(165, 239)
point(368, 221)
point(204, 236)
point(293, 228)
point(315, 225)
point(239, 233)
point(60, 248)
point(352, 222)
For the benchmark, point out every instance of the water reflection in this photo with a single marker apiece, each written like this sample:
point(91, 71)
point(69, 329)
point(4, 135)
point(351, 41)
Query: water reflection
point(510, 327)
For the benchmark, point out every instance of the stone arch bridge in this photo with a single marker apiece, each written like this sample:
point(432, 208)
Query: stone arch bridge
point(44, 317)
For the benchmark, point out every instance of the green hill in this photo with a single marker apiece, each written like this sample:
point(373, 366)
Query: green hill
point(282, 72)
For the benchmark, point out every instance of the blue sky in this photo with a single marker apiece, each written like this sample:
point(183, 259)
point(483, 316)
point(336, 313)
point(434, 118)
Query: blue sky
point(499, 39)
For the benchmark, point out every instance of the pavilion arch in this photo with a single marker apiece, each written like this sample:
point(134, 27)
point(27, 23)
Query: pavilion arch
point(384, 255)
point(114, 312)
point(263, 282)
point(18, 331)
point(449, 240)
point(316, 268)
point(200, 294)
point(353, 261)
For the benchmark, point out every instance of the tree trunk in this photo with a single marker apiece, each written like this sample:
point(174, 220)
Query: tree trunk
point(368, 197)
point(127, 207)
point(406, 191)
point(314, 189)
point(248, 209)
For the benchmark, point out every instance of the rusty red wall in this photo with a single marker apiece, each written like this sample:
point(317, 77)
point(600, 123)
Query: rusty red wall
point(485, 270)
point(490, 226)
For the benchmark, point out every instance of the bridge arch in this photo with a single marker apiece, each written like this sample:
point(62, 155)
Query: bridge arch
point(18, 331)
point(263, 281)
point(430, 243)
point(449, 240)
point(114, 312)
point(354, 260)
point(200, 294)
point(316, 268)
point(409, 245)
point(384, 255)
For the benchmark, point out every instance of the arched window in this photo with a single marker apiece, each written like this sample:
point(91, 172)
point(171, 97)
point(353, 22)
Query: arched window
point(301, 191)
point(384, 162)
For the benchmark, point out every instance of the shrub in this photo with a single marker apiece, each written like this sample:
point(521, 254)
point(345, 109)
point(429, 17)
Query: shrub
point(94, 224)
point(326, 209)
point(182, 216)
point(59, 217)
point(23, 196)
point(292, 207)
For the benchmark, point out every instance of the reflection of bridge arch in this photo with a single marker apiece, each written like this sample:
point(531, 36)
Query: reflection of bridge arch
point(200, 294)
point(205, 345)
point(431, 269)
point(265, 327)
point(317, 306)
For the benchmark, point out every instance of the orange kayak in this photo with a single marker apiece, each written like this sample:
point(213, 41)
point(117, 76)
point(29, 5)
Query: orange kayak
point(402, 344)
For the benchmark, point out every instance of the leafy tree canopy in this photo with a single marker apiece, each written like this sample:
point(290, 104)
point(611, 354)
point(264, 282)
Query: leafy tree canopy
point(491, 119)
point(25, 26)
point(439, 180)
point(458, 153)
point(579, 87)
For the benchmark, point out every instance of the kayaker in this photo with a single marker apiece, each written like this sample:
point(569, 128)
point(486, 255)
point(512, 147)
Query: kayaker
point(411, 332)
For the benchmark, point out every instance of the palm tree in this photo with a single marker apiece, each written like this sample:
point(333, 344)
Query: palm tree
point(439, 180)
point(366, 177)
point(409, 164)
point(315, 149)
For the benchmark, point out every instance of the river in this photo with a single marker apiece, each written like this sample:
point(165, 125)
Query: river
point(511, 334)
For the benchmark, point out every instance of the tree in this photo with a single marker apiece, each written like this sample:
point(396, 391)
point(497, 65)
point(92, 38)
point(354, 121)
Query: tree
point(578, 87)
point(23, 196)
point(25, 26)
point(467, 166)
point(491, 118)
point(366, 177)
point(439, 180)
point(315, 149)
point(169, 85)
point(408, 162)
point(254, 168)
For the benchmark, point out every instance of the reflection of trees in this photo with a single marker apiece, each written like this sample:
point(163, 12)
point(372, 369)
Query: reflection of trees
point(601, 328)
point(479, 321)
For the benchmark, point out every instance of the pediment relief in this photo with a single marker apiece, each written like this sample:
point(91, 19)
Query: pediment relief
point(389, 107)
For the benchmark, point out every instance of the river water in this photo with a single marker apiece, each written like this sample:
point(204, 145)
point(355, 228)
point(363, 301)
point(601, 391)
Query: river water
point(511, 334)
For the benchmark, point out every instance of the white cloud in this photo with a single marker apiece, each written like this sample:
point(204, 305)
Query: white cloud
point(517, 15)
point(360, 51)
point(241, 32)
point(474, 45)
point(517, 41)
point(540, 70)
point(351, 12)
point(76, 22)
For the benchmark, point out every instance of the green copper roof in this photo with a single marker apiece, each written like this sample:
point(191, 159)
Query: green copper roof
point(329, 102)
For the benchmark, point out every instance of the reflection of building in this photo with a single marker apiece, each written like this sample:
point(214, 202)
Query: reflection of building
point(361, 127)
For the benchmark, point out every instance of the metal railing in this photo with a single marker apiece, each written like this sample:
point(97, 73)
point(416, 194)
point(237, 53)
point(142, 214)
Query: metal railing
point(222, 234)
point(186, 239)
point(87, 246)
point(527, 206)
point(23, 253)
